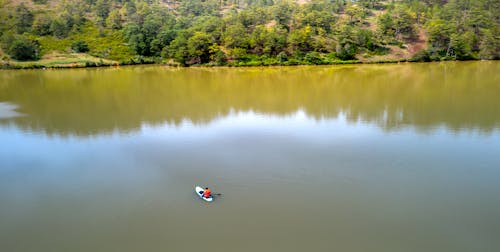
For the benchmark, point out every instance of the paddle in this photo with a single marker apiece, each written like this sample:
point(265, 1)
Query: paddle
point(215, 195)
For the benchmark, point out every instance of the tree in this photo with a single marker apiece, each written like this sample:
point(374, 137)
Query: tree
point(300, 40)
point(275, 42)
point(150, 29)
point(198, 47)
point(177, 49)
point(283, 12)
point(23, 18)
point(313, 58)
point(489, 46)
point(41, 26)
point(403, 23)
point(23, 49)
point(366, 38)
point(346, 48)
point(236, 36)
point(114, 20)
point(135, 39)
point(346, 51)
point(163, 39)
point(356, 13)
point(459, 48)
point(79, 46)
point(101, 8)
point(319, 19)
point(419, 9)
point(371, 4)
point(421, 56)
point(438, 34)
point(217, 55)
point(397, 24)
point(59, 28)
point(282, 57)
point(385, 24)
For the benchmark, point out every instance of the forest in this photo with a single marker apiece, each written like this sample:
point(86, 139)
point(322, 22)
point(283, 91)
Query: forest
point(248, 32)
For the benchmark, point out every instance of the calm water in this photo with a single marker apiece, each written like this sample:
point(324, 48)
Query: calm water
point(347, 158)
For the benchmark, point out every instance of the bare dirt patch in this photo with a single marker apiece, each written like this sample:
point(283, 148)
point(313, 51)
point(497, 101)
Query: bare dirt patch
point(419, 43)
point(271, 24)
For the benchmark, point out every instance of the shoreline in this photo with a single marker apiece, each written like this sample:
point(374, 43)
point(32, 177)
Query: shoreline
point(67, 63)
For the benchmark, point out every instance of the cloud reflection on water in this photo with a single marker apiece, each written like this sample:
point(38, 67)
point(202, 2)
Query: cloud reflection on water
point(460, 96)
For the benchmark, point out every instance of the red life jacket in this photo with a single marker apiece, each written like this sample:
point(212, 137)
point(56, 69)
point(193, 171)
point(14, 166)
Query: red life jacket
point(207, 193)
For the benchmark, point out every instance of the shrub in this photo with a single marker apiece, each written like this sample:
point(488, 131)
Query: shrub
point(282, 58)
point(23, 49)
point(79, 46)
point(313, 58)
point(346, 52)
point(421, 56)
point(58, 28)
point(220, 58)
point(41, 26)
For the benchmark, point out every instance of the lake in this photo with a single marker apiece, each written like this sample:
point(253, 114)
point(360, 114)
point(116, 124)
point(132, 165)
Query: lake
point(391, 157)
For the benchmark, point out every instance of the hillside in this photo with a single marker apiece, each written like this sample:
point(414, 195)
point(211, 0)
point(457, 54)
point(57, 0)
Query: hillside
point(245, 32)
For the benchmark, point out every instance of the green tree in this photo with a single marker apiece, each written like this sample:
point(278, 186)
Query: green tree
point(269, 41)
point(459, 48)
point(236, 36)
point(371, 4)
point(346, 51)
point(217, 55)
point(135, 38)
point(282, 12)
point(163, 39)
point(198, 47)
point(59, 28)
point(346, 48)
point(385, 24)
point(102, 8)
point(282, 58)
point(356, 13)
point(397, 24)
point(489, 46)
point(177, 49)
point(114, 20)
point(41, 25)
point(23, 18)
point(319, 19)
point(79, 46)
point(300, 40)
point(366, 38)
point(313, 58)
point(23, 49)
point(439, 35)
point(421, 56)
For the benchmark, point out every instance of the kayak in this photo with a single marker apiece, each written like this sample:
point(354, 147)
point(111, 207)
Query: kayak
point(199, 191)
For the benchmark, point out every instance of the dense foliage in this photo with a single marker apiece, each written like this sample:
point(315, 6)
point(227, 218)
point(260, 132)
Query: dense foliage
point(250, 32)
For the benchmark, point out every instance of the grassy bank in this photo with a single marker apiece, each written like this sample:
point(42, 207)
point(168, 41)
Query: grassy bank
point(75, 60)
point(81, 60)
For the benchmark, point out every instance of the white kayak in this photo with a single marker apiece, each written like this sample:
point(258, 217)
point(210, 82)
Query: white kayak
point(199, 191)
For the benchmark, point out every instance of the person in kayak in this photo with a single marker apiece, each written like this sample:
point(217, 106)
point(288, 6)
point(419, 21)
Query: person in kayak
point(207, 193)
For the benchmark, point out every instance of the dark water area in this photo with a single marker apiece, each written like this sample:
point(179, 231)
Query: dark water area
point(395, 157)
